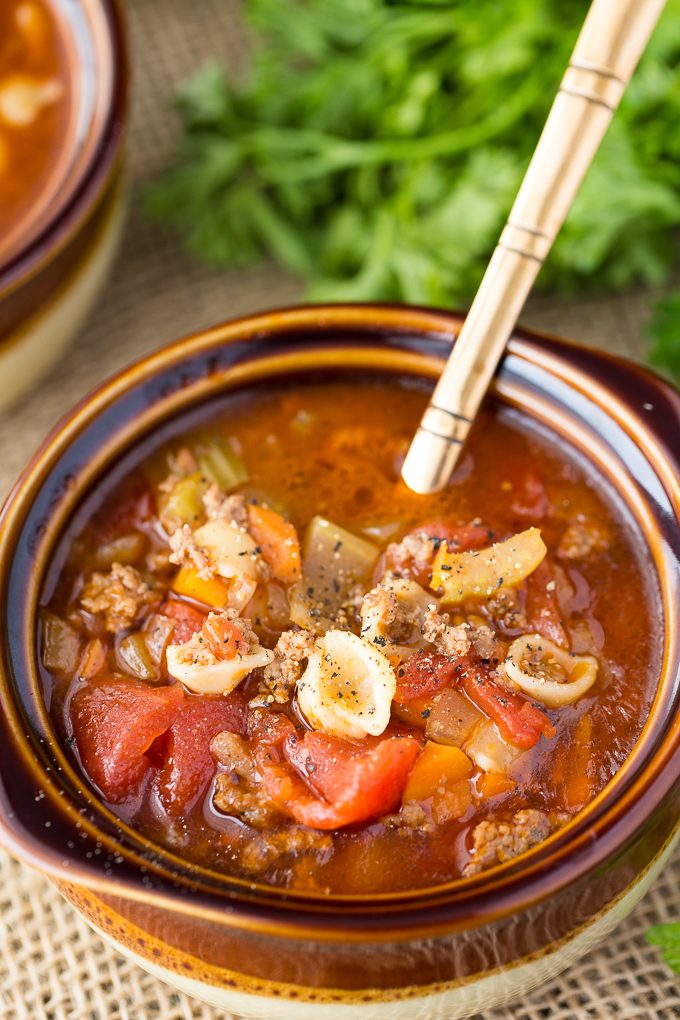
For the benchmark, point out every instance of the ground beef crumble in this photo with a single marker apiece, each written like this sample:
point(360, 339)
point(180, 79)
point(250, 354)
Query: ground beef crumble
point(414, 554)
point(238, 789)
point(497, 841)
point(238, 792)
point(580, 540)
point(280, 677)
point(186, 550)
point(236, 796)
point(295, 841)
point(506, 610)
point(386, 613)
point(119, 596)
point(221, 507)
point(483, 640)
point(447, 639)
point(410, 818)
point(233, 752)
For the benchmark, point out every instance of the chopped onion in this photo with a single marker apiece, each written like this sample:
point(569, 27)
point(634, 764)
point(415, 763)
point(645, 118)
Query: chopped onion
point(60, 644)
point(93, 659)
point(452, 718)
point(382, 533)
point(157, 633)
point(134, 658)
point(183, 503)
point(334, 561)
point(489, 751)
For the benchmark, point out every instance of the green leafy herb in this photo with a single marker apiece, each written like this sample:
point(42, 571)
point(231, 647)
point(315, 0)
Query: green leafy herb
point(667, 936)
point(375, 146)
point(664, 331)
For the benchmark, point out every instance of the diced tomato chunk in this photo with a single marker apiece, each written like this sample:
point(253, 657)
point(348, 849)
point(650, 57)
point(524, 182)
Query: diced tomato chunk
point(423, 675)
point(127, 513)
point(518, 721)
point(115, 723)
point(532, 501)
point(542, 612)
point(189, 765)
point(460, 537)
point(188, 620)
point(223, 637)
point(343, 783)
point(268, 731)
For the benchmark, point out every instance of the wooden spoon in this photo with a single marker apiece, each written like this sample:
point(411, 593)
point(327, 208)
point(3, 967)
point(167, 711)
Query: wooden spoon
point(607, 51)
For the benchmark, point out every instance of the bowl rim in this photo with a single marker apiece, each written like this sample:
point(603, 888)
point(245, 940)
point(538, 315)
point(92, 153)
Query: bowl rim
point(65, 220)
point(431, 910)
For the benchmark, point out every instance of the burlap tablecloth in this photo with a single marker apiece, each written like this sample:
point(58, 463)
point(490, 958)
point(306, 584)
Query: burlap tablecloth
point(51, 966)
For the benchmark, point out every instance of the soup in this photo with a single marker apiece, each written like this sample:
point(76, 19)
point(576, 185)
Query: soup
point(35, 107)
point(269, 656)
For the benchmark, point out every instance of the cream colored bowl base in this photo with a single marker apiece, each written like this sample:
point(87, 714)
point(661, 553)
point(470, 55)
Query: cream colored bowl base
point(36, 345)
point(287, 1002)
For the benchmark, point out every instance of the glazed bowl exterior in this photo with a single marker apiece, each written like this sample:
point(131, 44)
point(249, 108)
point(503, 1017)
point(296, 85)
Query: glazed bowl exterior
point(51, 276)
point(446, 951)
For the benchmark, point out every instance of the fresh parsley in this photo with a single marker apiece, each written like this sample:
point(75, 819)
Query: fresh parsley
point(375, 146)
point(664, 331)
point(667, 936)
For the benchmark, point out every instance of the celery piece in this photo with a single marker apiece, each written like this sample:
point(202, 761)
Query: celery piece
point(334, 562)
point(219, 463)
point(183, 503)
point(60, 644)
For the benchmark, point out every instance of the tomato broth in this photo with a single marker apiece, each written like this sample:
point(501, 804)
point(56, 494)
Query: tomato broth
point(35, 110)
point(269, 656)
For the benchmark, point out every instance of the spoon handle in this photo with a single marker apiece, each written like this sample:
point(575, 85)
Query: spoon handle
point(607, 51)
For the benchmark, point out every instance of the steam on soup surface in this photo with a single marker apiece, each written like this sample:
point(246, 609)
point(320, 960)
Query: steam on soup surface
point(34, 107)
point(268, 655)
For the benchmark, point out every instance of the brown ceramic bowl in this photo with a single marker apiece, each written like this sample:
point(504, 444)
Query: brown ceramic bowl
point(54, 262)
point(262, 952)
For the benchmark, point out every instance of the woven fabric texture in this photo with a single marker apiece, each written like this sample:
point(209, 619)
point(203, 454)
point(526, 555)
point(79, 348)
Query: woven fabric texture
point(51, 966)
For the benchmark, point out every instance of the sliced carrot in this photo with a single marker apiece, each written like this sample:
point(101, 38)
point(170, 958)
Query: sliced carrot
point(223, 637)
point(212, 591)
point(452, 801)
point(577, 790)
point(439, 767)
point(278, 540)
point(492, 784)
